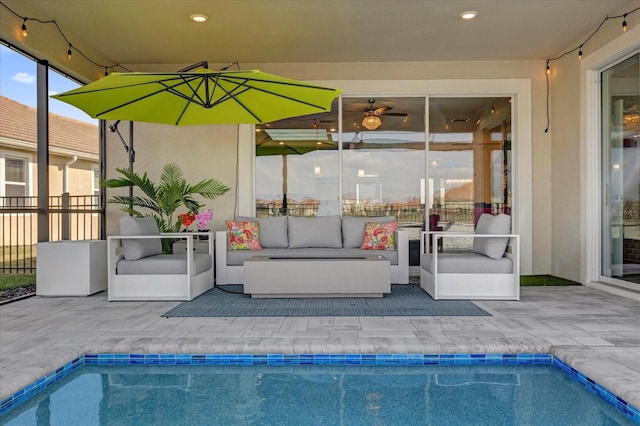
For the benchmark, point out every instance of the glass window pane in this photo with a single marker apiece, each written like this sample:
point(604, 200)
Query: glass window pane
point(296, 170)
point(469, 162)
point(621, 170)
point(15, 170)
point(16, 190)
point(383, 164)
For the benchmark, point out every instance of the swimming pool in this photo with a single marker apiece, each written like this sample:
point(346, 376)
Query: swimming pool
point(350, 389)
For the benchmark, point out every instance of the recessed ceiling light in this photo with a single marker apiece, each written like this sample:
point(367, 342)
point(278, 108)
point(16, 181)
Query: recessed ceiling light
point(198, 17)
point(470, 14)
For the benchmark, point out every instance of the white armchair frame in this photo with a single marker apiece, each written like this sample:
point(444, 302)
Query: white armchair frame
point(478, 286)
point(149, 287)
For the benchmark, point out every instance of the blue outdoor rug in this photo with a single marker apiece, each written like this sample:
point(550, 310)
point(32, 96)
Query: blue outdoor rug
point(404, 300)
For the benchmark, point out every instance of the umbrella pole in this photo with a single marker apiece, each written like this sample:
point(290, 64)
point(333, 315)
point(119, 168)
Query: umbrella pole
point(113, 128)
point(132, 159)
point(284, 185)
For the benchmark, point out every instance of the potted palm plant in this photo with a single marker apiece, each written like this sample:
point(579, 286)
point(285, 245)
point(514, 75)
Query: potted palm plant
point(164, 198)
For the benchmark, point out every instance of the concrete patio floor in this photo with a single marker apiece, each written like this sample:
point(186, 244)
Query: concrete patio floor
point(595, 332)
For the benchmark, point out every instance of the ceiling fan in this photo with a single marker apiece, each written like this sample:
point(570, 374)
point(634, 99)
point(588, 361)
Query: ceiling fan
point(371, 120)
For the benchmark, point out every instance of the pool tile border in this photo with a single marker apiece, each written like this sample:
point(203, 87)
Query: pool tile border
point(320, 359)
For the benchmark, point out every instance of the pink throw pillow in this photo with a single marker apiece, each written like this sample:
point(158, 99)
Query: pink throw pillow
point(244, 235)
point(379, 236)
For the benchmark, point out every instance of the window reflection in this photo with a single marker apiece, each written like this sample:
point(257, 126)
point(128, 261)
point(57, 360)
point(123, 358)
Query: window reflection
point(469, 162)
point(297, 166)
point(384, 167)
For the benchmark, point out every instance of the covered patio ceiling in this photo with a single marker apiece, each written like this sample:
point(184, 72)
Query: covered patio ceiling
point(138, 32)
point(145, 35)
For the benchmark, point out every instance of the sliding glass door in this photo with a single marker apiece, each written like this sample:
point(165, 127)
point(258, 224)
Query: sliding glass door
point(470, 162)
point(620, 185)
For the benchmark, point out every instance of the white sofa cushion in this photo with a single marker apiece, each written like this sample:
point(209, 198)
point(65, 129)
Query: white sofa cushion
point(489, 224)
point(466, 263)
point(165, 264)
point(238, 257)
point(273, 230)
point(353, 229)
point(134, 249)
point(309, 232)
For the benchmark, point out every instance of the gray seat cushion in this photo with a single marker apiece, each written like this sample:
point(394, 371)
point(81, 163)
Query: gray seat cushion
point(164, 264)
point(315, 232)
point(273, 230)
point(489, 224)
point(237, 257)
point(134, 249)
point(467, 263)
point(353, 229)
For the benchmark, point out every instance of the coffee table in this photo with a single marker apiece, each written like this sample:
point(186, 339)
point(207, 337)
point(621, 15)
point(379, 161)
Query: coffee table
point(367, 276)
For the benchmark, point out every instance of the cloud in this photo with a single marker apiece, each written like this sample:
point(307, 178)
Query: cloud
point(24, 78)
point(53, 92)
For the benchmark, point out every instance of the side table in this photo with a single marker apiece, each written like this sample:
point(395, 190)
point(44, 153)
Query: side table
point(199, 246)
point(71, 268)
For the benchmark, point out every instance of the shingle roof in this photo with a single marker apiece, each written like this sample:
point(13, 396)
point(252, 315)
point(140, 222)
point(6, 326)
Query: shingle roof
point(18, 121)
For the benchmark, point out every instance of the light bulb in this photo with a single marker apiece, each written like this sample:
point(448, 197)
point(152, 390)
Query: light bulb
point(24, 28)
point(624, 23)
point(69, 52)
point(198, 17)
point(548, 69)
point(580, 54)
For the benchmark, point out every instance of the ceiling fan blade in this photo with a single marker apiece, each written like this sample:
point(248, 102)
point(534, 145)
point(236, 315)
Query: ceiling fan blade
point(381, 110)
point(396, 114)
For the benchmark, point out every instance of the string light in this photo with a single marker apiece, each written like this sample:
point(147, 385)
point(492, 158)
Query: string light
point(579, 49)
point(24, 32)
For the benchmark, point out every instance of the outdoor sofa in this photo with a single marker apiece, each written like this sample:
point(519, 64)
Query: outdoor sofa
point(310, 238)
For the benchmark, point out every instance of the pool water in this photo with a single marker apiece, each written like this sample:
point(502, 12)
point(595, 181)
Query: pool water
point(315, 395)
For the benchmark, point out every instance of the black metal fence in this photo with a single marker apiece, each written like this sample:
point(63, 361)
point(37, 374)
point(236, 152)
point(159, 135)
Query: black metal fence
point(71, 217)
point(407, 214)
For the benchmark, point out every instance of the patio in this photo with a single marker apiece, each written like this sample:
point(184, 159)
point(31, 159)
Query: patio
point(593, 331)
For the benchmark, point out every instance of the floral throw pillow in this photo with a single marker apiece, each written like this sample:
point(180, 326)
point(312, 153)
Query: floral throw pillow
point(244, 235)
point(379, 236)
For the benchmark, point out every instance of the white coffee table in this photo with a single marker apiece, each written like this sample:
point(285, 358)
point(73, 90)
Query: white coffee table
point(368, 276)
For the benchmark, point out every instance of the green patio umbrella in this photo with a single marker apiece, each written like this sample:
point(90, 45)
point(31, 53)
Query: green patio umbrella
point(201, 96)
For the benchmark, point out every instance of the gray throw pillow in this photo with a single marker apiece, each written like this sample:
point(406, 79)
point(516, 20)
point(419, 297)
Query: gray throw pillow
point(353, 229)
point(137, 249)
point(323, 231)
point(273, 230)
point(489, 224)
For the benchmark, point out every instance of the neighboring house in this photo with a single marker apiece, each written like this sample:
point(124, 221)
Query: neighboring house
point(73, 166)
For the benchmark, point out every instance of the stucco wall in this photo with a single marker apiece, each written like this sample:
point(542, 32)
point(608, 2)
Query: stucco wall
point(202, 152)
point(568, 190)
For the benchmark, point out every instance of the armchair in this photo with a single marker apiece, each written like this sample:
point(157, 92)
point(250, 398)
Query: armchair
point(491, 271)
point(138, 270)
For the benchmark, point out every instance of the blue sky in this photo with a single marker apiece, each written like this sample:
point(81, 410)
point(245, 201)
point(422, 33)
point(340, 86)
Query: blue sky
point(18, 82)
